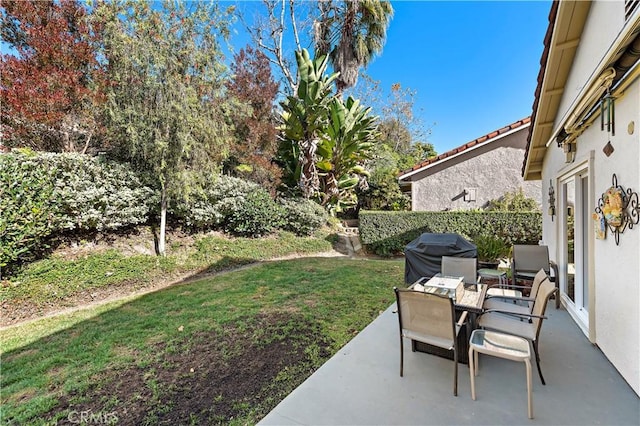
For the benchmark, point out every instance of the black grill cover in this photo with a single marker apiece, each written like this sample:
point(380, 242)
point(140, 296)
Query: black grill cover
point(423, 256)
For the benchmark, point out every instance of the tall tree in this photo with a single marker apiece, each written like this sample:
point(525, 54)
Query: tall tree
point(50, 81)
point(166, 109)
point(351, 33)
point(252, 154)
point(276, 32)
point(325, 141)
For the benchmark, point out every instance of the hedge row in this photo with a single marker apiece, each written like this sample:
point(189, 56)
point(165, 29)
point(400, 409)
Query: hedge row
point(386, 233)
point(44, 194)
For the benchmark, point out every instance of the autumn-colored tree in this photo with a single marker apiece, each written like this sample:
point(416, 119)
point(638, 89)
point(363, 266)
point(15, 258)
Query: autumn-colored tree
point(252, 154)
point(48, 80)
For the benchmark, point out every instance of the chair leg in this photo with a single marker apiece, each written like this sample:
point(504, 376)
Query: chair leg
point(401, 355)
point(529, 397)
point(455, 372)
point(476, 361)
point(472, 372)
point(535, 349)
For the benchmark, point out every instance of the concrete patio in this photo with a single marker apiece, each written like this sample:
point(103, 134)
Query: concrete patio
point(361, 385)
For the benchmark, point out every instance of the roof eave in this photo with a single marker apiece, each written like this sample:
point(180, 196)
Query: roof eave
point(561, 44)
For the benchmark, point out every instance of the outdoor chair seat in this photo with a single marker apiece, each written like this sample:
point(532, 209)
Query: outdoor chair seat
point(527, 326)
point(521, 305)
point(496, 321)
point(499, 345)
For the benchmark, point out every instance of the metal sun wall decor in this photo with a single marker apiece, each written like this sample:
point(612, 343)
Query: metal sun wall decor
point(619, 208)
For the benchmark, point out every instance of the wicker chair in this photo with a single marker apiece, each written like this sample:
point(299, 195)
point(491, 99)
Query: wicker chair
point(428, 318)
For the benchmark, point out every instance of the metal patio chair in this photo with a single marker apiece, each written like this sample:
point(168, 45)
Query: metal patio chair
point(528, 259)
point(428, 318)
point(510, 322)
point(465, 267)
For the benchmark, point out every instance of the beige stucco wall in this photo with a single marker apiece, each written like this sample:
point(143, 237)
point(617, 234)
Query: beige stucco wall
point(493, 171)
point(614, 284)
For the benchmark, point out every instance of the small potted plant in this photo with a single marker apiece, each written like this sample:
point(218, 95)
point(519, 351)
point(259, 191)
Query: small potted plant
point(490, 250)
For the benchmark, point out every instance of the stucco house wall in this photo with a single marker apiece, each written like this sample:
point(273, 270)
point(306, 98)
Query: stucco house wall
point(610, 317)
point(492, 170)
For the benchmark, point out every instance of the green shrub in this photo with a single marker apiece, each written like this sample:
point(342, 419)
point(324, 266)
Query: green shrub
point(491, 248)
point(210, 208)
point(515, 201)
point(27, 209)
point(99, 195)
point(45, 194)
point(302, 216)
point(255, 215)
point(386, 233)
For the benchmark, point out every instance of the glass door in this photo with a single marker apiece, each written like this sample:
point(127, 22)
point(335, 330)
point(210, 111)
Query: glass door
point(575, 245)
point(569, 188)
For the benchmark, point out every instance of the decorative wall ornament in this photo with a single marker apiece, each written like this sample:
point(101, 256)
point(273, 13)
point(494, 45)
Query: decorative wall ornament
point(619, 208)
point(608, 120)
point(552, 200)
point(608, 149)
point(608, 113)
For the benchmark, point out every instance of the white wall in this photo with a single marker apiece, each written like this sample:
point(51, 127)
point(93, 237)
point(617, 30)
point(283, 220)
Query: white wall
point(617, 268)
point(616, 281)
point(608, 18)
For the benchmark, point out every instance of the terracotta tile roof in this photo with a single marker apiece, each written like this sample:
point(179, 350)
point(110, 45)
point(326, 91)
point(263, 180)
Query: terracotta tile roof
point(468, 145)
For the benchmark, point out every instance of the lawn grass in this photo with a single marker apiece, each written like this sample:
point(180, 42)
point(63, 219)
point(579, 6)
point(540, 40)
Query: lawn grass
point(55, 279)
point(225, 349)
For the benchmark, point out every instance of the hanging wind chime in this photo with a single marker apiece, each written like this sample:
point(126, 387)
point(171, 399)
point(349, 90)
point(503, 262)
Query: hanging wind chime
point(608, 119)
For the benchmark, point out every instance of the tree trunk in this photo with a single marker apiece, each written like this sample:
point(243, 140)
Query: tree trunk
point(163, 220)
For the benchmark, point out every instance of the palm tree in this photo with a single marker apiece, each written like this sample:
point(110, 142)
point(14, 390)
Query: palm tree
point(351, 33)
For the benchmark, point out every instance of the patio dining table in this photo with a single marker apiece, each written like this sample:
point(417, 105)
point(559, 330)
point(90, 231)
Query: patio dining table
point(466, 297)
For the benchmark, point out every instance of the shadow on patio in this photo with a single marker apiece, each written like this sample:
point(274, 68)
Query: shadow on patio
point(361, 385)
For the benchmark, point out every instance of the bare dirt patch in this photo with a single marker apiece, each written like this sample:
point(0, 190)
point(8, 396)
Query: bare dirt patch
point(210, 378)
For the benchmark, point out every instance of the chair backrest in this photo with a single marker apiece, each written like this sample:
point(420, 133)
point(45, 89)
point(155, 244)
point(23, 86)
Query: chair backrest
point(537, 280)
point(531, 258)
point(547, 288)
point(426, 314)
point(460, 267)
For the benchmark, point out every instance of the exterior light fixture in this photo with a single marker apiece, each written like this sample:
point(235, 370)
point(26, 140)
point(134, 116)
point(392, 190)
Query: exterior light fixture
point(552, 200)
point(470, 194)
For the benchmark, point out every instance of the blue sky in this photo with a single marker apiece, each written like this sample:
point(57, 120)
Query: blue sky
point(474, 65)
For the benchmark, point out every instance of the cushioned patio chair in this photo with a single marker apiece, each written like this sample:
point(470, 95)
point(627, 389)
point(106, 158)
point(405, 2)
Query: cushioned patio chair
point(511, 322)
point(428, 318)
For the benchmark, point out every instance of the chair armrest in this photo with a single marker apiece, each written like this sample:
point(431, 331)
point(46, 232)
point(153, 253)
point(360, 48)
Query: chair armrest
point(515, 314)
point(463, 318)
point(510, 287)
point(523, 299)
